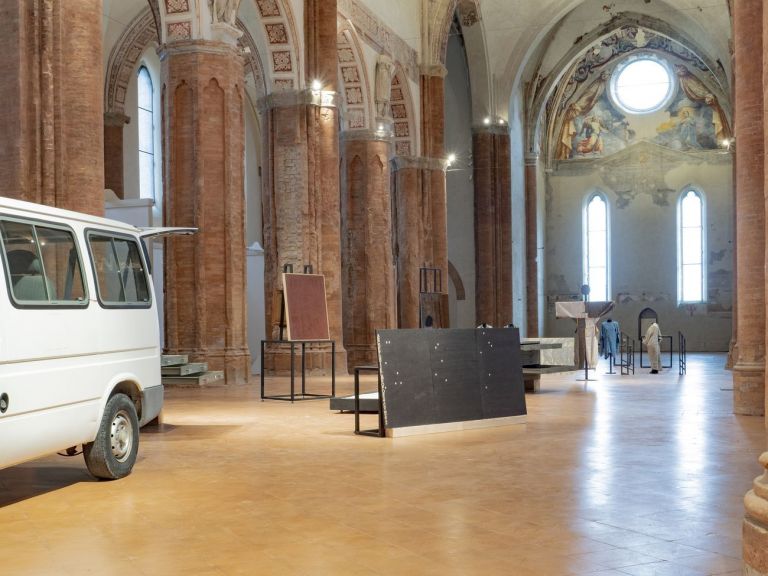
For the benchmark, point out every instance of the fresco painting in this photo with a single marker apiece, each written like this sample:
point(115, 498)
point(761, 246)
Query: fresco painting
point(594, 127)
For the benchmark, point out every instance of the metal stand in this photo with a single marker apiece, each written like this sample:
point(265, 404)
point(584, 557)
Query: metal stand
point(379, 432)
point(304, 395)
point(610, 364)
point(626, 355)
point(682, 360)
point(586, 361)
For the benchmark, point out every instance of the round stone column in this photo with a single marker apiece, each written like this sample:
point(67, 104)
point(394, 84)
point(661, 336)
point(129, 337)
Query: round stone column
point(749, 354)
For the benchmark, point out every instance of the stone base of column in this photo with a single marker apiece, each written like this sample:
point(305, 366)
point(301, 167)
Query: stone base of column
point(236, 364)
point(755, 527)
point(749, 389)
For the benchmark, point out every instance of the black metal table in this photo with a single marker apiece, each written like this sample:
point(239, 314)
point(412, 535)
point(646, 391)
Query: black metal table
point(304, 395)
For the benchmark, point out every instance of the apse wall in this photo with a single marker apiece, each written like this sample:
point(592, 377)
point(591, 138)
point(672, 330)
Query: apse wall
point(643, 238)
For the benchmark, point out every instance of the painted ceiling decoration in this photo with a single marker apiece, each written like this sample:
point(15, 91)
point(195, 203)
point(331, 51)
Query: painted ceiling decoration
point(585, 120)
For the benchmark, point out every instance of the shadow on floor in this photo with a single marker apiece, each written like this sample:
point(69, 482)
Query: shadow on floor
point(24, 481)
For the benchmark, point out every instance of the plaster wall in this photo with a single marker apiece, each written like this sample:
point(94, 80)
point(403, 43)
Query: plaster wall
point(517, 154)
point(404, 16)
point(643, 244)
point(253, 197)
point(459, 187)
point(151, 60)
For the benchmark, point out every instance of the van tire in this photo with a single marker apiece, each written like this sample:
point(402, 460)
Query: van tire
point(113, 453)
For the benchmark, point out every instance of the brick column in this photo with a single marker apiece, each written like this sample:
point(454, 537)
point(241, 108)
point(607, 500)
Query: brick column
point(369, 295)
point(433, 146)
point(420, 229)
point(531, 248)
point(301, 215)
point(113, 151)
point(749, 367)
point(204, 137)
point(51, 150)
point(493, 226)
point(751, 143)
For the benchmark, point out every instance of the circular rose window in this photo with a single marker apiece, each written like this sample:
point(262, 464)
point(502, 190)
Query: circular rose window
point(642, 86)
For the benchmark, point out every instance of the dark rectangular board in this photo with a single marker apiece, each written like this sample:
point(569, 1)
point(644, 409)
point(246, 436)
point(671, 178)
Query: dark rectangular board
point(306, 309)
point(452, 375)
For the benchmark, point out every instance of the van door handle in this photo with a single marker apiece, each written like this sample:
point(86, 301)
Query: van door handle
point(3, 403)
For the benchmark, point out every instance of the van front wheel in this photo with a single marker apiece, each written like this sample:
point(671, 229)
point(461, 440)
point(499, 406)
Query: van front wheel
point(112, 454)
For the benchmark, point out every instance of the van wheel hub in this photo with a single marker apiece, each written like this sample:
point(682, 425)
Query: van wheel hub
point(121, 436)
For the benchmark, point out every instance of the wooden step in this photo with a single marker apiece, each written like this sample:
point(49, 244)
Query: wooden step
point(185, 369)
point(205, 379)
point(173, 359)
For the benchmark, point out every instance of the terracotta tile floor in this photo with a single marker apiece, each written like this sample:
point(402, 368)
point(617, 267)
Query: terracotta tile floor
point(638, 475)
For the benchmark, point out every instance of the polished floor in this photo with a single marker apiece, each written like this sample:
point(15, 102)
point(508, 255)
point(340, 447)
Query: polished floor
point(639, 475)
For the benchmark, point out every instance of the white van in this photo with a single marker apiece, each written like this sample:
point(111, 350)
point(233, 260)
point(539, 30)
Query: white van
point(79, 337)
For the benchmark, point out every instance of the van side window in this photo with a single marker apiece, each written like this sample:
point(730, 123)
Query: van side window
point(120, 275)
point(43, 264)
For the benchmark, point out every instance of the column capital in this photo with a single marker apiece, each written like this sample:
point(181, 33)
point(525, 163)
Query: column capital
point(497, 129)
point(200, 46)
point(367, 135)
point(419, 163)
point(292, 98)
point(116, 119)
point(433, 70)
point(531, 159)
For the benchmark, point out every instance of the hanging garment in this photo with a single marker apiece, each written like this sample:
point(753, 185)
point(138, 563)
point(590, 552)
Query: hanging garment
point(610, 336)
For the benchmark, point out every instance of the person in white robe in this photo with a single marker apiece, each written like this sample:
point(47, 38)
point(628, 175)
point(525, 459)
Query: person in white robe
point(651, 340)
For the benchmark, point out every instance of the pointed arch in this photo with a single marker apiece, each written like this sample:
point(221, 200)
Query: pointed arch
point(354, 84)
point(469, 17)
point(140, 33)
point(401, 104)
point(270, 24)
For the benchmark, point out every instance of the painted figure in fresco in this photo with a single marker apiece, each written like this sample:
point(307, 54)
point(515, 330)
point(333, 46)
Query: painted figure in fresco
point(652, 341)
point(696, 91)
point(686, 126)
point(592, 142)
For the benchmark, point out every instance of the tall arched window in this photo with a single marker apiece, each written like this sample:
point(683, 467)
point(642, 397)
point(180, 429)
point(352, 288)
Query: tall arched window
point(146, 134)
point(596, 249)
point(691, 269)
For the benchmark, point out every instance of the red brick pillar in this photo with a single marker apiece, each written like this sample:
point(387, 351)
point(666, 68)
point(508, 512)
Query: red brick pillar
point(531, 248)
point(749, 367)
point(51, 150)
point(113, 151)
point(420, 230)
point(751, 144)
point(204, 137)
point(493, 227)
point(433, 146)
point(369, 295)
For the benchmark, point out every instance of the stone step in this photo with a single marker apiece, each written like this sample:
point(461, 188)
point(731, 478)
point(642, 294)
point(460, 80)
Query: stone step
point(173, 359)
point(205, 379)
point(185, 369)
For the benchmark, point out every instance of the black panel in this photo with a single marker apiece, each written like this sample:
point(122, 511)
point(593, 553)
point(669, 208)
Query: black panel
point(437, 376)
point(406, 378)
point(500, 375)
